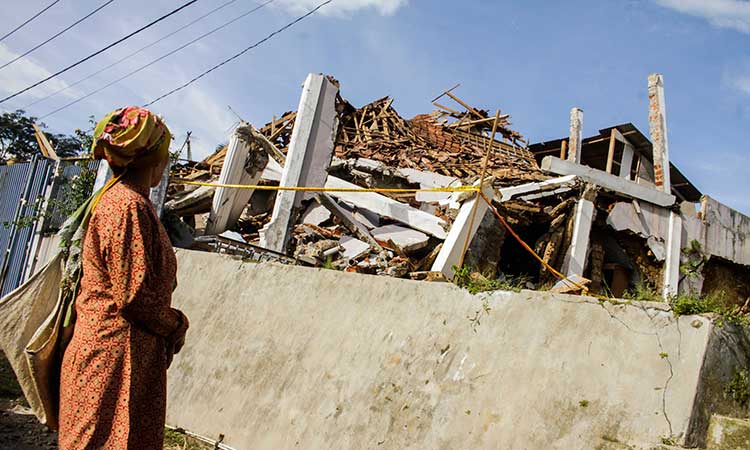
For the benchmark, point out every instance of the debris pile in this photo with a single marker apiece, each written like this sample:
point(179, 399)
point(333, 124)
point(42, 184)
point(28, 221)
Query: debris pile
point(389, 233)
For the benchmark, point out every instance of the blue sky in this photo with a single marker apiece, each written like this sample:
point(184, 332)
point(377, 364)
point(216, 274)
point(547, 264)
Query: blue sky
point(532, 59)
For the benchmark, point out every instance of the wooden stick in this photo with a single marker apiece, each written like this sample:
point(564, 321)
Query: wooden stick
point(481, 186)
point(564, 150)
point(445, 92)
point(611, 154)
point(468, 108)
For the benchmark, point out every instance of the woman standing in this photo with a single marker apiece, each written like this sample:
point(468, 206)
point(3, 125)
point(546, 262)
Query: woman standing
point(113, 382)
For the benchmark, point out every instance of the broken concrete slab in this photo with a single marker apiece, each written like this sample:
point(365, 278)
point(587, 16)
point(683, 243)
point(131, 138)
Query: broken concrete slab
point(348, 220)
point(316, 214)
point(243, 164)
point(273, 171)
point(405, 238)
point(353, 248)
point(307, 159)
point(463, 228)
point(577, 254)
point(554, 184)
point(196, 202)
point(608, 181)
point(384, 206)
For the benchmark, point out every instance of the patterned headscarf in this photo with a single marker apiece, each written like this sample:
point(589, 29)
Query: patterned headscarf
point(130, 136)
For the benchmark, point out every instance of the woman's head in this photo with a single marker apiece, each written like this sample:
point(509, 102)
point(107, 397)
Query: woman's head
point(133, 139)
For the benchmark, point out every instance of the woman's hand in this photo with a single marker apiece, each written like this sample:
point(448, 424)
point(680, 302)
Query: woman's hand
point(176, 340)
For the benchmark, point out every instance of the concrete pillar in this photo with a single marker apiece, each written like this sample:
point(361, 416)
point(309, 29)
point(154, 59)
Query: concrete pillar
point(626, 162)
point(103, 174)
point(243, 164)
point(672, 262)
point(575, 258)
point(576, 135)
point(450, 254)
point(159, 194)
point(308, 158)
point(657, 123)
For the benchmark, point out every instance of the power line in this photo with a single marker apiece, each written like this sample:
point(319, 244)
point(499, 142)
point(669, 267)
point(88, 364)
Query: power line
point(65, 88)
point(133, 72)
point(32, 18)
point(280, 30)
point(99, 51)
point(58, 34)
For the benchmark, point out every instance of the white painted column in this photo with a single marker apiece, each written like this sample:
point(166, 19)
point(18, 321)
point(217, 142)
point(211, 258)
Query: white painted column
point(159, 194)
point(672, 262)
point(626, 163)
point(243, 164)
point(450, 254)
point(657, 122)
point(575, 257)
point(576, 135)
point(308, 158)
point(103, 174)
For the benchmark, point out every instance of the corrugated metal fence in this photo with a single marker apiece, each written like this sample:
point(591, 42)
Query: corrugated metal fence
point(25, 192)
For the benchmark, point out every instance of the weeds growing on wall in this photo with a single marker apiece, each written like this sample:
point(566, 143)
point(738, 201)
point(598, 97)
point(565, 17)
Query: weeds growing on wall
point(475, 282)
point(739, 388)
point(643, 293)
point(714, 302)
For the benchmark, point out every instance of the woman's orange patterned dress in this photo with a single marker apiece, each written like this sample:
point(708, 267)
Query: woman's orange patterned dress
point(113, 383)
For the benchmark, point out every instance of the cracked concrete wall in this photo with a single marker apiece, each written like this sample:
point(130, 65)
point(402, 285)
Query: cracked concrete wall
point(290, 357)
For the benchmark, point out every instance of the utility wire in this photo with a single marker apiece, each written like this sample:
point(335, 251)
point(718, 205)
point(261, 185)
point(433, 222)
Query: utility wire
point(98, 51)
point(133, 72)
point(65, 88)
point(58, 34)
point(280, 30)
point(26, 23)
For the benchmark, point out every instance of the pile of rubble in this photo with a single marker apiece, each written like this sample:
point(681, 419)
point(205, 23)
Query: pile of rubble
point(416, 234)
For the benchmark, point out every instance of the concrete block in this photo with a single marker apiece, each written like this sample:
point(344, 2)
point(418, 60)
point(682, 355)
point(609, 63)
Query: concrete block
point(727, 433)
point(353, 248)
point(292, 357)
point(316, 214)
point(407, 239)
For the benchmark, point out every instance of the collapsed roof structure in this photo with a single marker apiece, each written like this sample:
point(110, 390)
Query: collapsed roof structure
point(602, 211)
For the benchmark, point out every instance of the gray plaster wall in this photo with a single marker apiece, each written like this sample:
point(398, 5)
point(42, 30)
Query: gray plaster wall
point(283, 357)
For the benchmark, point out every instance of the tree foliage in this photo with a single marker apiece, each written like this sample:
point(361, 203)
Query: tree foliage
point(17, 139)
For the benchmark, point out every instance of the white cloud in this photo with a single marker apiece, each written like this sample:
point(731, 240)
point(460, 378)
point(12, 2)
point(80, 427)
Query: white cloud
point(343, 7)
point(25, 72)
point(209, 128)
point(733, 14)
point(741, 83)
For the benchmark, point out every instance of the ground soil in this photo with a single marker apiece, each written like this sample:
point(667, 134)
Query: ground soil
point(19, 431)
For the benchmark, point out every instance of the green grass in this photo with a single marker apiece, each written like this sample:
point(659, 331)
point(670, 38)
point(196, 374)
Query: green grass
point(739, 388)
point(643, 293)
point(475, 282)
point(715, 302)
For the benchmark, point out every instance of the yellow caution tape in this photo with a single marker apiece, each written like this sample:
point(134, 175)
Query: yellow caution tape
point(325, 189)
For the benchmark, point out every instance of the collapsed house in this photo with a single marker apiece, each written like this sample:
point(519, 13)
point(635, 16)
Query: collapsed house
point(604, 211)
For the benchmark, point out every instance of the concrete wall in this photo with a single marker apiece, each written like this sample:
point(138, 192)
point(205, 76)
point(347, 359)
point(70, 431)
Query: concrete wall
point(282, 357)
point(727, 232)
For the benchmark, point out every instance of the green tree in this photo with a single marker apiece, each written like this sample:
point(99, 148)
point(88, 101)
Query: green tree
point(17, 139)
